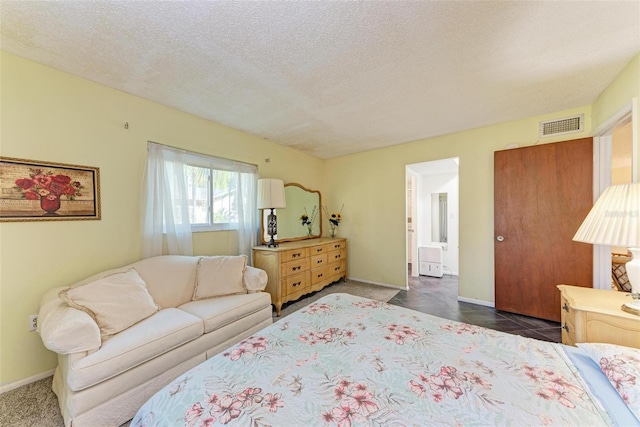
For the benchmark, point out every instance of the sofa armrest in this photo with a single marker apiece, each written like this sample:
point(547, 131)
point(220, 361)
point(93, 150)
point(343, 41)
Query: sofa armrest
point(255, 279)
point(64, 329)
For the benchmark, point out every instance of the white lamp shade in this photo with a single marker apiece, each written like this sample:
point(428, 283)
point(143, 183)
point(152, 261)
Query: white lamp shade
point(614, 219)
point(271, 194)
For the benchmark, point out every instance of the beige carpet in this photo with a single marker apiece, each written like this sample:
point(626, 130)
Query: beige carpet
point(35, 405)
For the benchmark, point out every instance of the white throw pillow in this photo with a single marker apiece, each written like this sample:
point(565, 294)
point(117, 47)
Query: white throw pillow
point(115, 302)
point(220, 275)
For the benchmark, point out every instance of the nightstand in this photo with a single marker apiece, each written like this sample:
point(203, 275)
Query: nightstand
point(594, 315)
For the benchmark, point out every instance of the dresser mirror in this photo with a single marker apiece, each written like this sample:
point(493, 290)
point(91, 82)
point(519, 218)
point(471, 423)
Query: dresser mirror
point(300, 200)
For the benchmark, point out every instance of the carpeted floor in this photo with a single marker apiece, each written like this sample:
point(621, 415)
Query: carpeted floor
point(35, 405)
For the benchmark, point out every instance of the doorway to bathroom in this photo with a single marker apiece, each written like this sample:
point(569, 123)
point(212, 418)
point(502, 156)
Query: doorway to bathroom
point(432, 207)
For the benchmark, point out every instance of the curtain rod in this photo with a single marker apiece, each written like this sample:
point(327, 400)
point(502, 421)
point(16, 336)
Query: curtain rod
point(198, 153)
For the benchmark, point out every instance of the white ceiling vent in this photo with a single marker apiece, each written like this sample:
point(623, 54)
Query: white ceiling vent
point(560, 126)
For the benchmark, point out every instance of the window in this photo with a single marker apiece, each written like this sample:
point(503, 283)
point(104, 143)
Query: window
point(212, 198)
point(188, 192)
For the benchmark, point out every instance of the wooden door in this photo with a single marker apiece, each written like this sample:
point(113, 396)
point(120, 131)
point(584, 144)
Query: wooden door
point(542, 194)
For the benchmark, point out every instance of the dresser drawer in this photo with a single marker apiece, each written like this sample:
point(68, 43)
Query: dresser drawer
point(294, 284)
point(336, 246)
point(337, 255)
point(295, 254)
point(319, 275)
point(318, 261)
point(320, 249)
point(294, 267)
point(337, 268)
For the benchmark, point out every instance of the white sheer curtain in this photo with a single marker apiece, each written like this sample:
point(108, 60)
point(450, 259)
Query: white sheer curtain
point(165, 200)
point(164, 203)
point(248, 223)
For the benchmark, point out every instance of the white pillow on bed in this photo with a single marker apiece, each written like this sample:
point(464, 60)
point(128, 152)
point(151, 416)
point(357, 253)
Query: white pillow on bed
point(622, 366)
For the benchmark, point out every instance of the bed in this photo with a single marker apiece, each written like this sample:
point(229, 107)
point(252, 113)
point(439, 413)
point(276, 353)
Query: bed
point(350, 361)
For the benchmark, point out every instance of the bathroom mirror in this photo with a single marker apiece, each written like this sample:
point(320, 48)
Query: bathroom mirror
point(300, 200)
point(439, 217)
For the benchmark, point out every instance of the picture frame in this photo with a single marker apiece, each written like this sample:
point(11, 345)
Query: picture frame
point(32, 190)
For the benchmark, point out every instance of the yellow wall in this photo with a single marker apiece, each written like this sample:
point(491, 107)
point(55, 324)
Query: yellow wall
point(53, 116)
point(372, 186)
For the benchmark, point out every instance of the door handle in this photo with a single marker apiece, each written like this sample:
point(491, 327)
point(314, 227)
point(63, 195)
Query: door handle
point(500, 239)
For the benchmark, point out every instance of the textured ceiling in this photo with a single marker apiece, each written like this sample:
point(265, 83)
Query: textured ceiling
point(333, 78)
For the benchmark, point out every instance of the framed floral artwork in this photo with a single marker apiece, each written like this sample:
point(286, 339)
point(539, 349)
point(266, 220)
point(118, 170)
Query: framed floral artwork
point(33, 190)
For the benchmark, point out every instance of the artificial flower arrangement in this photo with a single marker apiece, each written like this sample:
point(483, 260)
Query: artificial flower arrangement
point(308, 220)
point(334, 219)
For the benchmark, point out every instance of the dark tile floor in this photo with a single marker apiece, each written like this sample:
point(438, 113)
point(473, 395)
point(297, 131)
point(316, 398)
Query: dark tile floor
point(439, 297)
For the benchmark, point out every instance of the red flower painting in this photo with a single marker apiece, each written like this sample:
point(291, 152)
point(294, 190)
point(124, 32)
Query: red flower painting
point(48, 188)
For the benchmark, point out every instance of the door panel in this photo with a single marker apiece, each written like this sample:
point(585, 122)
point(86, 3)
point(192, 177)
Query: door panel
point(542, 194)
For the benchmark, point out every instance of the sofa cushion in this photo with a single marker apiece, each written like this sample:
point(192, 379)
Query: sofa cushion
point(170, 278)
point(221, 311)
point(220, 275)
point(163, 331)
point(115, 302)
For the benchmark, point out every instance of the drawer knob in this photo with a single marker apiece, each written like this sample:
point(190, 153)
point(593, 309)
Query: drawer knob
point(296, 284)
point(336, 269)
point(565, 327)
point(319, 275)
point(295, 255)
point(296, 268)
point(337, 257)
point(319, 261)
point(336, 246)
point(565, 307)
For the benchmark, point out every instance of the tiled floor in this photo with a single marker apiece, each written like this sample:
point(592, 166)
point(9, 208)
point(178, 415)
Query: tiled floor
point(439, 297)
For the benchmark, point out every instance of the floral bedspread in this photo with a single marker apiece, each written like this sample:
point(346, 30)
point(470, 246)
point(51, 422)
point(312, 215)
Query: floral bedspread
point(349, 361)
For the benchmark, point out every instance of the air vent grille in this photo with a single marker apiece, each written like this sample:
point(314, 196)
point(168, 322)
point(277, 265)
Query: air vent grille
point(566, 125)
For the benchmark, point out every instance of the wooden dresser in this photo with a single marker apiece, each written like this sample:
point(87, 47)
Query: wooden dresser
point(298, 268)
point(594, 315)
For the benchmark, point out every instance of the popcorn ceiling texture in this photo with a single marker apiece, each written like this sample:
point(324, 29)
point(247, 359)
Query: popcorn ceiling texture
point(333, 78)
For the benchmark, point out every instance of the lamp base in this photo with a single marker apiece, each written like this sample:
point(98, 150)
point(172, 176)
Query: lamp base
point(272, 243)
point(272, 228)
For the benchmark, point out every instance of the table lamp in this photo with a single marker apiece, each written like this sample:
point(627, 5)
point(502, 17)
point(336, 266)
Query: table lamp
point(614, 220)
point(271, 196)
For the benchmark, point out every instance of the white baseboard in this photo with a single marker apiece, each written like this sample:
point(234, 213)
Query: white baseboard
point(476, 301)
point(13, 385)
point(386, 285)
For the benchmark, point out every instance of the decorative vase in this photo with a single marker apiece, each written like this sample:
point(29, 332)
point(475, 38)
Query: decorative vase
point(309, 229)
point(50, 204)
point(333, 230)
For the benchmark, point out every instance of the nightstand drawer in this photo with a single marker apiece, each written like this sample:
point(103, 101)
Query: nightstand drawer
point(612, 329)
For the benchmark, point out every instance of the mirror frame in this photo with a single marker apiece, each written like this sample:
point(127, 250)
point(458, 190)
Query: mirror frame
point(265, 213)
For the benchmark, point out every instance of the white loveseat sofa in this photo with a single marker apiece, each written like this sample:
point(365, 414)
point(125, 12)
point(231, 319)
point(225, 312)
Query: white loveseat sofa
point(192, 308)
